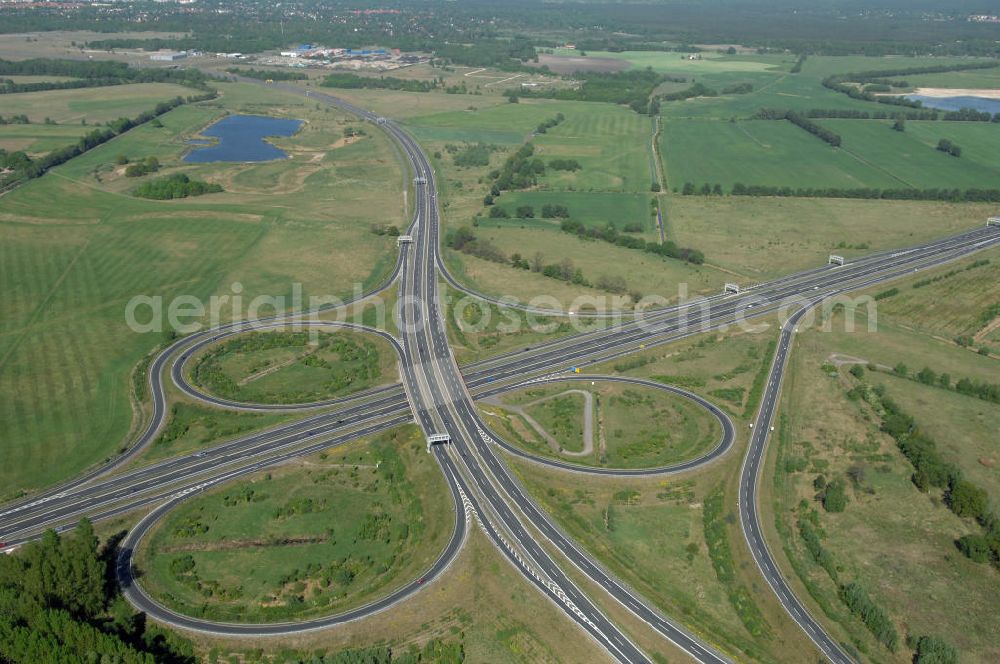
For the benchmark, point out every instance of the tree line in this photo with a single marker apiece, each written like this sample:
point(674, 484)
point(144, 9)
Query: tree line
point(908, 194)
point(609, 233)
point(92, 74)
point(800, 121)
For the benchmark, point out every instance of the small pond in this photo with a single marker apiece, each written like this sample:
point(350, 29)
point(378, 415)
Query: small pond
point(241, 138)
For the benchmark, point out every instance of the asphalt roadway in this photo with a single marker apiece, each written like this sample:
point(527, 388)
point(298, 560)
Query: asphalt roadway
point(441, 400)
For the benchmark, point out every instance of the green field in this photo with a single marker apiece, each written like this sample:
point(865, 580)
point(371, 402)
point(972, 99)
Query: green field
point(312, 538)
point(592, 208)
point(632, 426)
point(763, 152)
point(611, 144)
point(642, 273)
point(287, 367)
point(91, 105)
point(76, 247)
point(777, 153)
point(762, 238)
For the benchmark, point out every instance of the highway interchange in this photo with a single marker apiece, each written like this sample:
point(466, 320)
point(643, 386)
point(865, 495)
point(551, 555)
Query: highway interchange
point(440, 396)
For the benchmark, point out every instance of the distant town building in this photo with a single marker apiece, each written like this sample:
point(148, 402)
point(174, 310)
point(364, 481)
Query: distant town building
point(168, 56)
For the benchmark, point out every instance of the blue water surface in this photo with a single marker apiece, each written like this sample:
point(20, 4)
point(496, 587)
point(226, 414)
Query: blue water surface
point(981, 104)
point(241, 138)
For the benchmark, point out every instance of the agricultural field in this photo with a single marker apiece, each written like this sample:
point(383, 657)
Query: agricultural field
point(311, 538)
point(761, 152)
point(609, 425)
point(908, 563)
point(290, 367)
point(91, 105)
point(76, 247)
point(777, 153)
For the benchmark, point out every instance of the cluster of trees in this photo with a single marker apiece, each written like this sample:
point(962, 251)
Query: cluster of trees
point(564, 164)
point(550, 123)
point(21, 119)
point(177, 185)
point(696, 90)
point(946, 146)
point(59, 602)
point(139, 168)
point(952, 195)
point(91, 74)
point(609, 233)
point(466, 241)
point(833, 494)
point(797, 67)
point(471, 155)
point(965, 498)
point(630, 88)
point(519, 171)
point(506, 55)
point(33, 168)
point(273, 74)
point(353, 81)
point(738, 89)
point(385, 229)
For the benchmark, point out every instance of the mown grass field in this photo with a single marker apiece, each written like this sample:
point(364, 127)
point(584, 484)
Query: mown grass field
point(897, 541)
point(633, 427)
point(76, 246)
point(39, 139)
point(310, 538)
point(92, 105)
